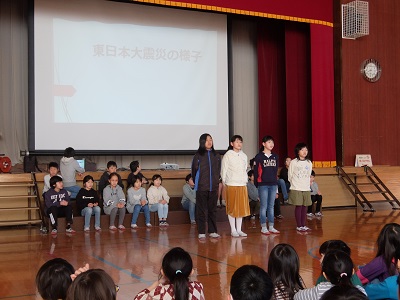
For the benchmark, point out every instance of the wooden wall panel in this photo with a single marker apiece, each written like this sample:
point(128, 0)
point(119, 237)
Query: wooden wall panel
point(371, 110)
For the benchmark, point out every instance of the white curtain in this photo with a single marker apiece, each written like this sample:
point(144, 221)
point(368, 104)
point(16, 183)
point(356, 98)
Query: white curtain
point(14, 91)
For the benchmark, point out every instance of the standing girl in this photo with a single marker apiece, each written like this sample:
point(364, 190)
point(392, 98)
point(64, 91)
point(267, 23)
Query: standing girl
point(173, 281)
point(114, 202)
point(158, 199)
point(299, 177)
point(87, 202)
point(265, 178)
point(284, 267)
point(234, 178)
point(206, 169)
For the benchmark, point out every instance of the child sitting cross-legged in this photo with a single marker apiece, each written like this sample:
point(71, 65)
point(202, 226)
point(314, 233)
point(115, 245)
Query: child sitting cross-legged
point(137, 202)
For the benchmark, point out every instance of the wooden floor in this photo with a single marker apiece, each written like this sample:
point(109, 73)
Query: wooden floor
point(133, 257)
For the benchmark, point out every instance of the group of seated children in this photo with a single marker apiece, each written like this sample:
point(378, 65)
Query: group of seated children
point(57, 198)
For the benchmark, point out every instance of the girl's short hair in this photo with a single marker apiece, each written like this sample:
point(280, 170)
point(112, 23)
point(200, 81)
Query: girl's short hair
point(112, 175)
point(177, 266)
point(135, 178)
point(87, 178)
point(54, 278)
point(250, 173)
point(284, 267)
point(69, 152)
point(188, 176)
point(388, 242)
point(156, 176)
point(93, 284)
point(297, 149)
point(54, 180)
point(234, 138)
point(338, 267)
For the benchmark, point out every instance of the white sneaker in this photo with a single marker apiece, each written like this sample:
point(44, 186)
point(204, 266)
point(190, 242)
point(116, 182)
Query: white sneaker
point(310, 215)
point(86, 229)
point(214, 235)
point(97, 228)
point(305, 228)
point(149, 225)
point(202, 236)
point(300, 229)
point(318, 214)
point(121, 227)
point(133, 226)
point(273, 230)
point(265, 231)
point(223, 202)
point(253, 217)
point(234, 234)
point(241, 233)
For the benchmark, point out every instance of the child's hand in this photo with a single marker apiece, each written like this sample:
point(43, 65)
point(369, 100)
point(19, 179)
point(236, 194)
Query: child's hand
point(79, 271)
point(95, 204)
point(120, 204)
point(90, 205)
point(143, 202)
point(63, 203)
point(163, 202)
point(80, 174)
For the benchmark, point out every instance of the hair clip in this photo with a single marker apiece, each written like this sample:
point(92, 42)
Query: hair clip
point(343, 274)
point(178, 271)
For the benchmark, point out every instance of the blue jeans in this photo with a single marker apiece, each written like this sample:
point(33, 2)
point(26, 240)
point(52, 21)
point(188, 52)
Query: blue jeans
point(162, 210)
point(191, 207)
point(284, 188)
point(90, 211)
point(137, 209)
point(267, 200)
point(73, 190)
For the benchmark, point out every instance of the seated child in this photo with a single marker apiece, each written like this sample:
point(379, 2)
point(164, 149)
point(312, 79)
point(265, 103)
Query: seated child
point(135, 170)
point(383, 265)
point(174, 283)
point(93, 284)
point(344, 293)
point(158, 199)
point(111, 168)
point(337, 268)
point(189, 198)
point(250, 282)
point(252, 191)
point(53, 171)
point(87, 202)
point(137, 202)
point(315, 197)
point(283, 181)
point(57, 203)
point(332, 245)
point(114, 202)
point(68, 167)
point(284, 269)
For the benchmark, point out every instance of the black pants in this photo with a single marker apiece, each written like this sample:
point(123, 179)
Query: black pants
point(318, 199)
point(277, 207)
point(59, 211)
point(206, 211)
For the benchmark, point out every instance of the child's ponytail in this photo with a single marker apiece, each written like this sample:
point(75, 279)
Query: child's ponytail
point(337, 267)
point(181, 286)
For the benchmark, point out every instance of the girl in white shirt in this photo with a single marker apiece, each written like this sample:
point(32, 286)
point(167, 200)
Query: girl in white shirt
point(158, 199)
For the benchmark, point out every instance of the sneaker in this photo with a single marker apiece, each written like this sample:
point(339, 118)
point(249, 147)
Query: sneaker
point(86, 229)
point(161, 223)
point(223, 203)
point(305, 228)
point(318, 214)
point(300, 229)
point(279, 217)
point(265, 231)
point(310, 215)
point(214, 235)
point(112, 227)
point(97, 228)
point(54, 231)
point(202, 236)
point(241, 233)
point(133, 226)
point(149, 225)
point(193, 222)
point(234, 234)
point(121, 227)
point(273, 230)
point(165, 223)
point(253, 217)
point(69, 230)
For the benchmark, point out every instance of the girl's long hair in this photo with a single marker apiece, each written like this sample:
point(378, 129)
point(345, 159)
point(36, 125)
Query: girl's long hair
point(202, 144)
point(177, 266)
point(388, 241)
point(338, 268)
point(283, 267)
point(265, 139)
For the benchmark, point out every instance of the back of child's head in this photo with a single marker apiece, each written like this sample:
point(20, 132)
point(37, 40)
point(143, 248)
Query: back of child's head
point(312, 173)
point(177, 266)
point(388, 241)
point(297, 149)
point(133, 166)
point(188, 176)
point(69, 152)
point(251, 282)
point(53, 164)
point(334, 245)
point(344, 293)
point(284, 267)
point(87, 178)
point(54, 180)
point(337, 267)
point(54, 278)
point(94, 284)
point(111, 163)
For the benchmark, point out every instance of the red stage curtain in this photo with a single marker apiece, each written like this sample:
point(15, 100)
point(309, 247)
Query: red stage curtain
point(323, 116)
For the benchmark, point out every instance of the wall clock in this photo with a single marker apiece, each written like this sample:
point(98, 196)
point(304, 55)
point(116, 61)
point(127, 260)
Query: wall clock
point(371, 70)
